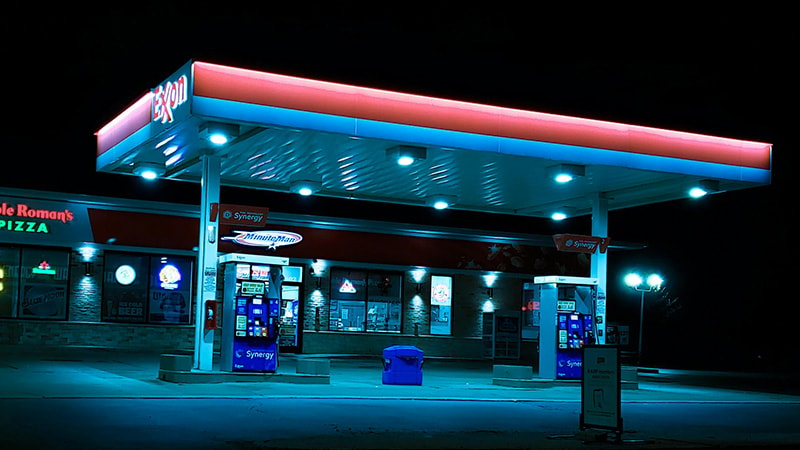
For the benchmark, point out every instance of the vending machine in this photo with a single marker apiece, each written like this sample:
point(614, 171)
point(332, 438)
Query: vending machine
point(567, 307)
point(250, 312)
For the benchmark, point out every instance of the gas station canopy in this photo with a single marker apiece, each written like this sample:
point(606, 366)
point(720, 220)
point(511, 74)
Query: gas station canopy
point(342, 140)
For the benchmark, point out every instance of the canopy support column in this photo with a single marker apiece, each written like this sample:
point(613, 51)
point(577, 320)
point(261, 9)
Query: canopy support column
point(206, 280)
point(599, 262)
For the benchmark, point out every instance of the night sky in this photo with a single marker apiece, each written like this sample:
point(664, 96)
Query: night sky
point(728, 259)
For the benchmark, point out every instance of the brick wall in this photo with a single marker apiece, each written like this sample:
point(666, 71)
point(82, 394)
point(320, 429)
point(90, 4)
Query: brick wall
point(95, 334)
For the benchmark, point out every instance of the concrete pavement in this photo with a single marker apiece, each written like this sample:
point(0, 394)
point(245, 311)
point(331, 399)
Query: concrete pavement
point(78, 373)
point(101, 372)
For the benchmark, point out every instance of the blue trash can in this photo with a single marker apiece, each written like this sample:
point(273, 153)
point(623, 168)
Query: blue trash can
point(402, 364)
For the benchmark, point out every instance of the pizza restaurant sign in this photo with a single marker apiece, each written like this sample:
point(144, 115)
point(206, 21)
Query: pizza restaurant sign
point(23, 218)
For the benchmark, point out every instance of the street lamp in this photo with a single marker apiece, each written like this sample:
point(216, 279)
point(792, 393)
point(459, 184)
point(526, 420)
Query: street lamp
point(651, 284)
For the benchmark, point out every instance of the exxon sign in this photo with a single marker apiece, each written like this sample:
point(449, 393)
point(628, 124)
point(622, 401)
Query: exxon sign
point(169, 96)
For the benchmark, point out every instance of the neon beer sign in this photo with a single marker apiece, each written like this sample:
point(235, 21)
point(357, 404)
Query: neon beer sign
point(169, 96)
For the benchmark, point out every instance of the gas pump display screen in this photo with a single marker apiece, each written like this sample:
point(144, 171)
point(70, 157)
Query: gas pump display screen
point(251, 288)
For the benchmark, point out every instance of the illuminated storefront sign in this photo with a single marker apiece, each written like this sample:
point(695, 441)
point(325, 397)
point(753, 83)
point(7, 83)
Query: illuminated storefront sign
point(264, 238)
point(167, 97)
point(26, 221)
point(243, 215)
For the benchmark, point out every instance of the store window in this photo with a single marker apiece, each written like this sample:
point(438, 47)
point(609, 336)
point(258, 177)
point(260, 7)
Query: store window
point(441, 304)
point(34, 282)
point(365, 301)
point(147, 289)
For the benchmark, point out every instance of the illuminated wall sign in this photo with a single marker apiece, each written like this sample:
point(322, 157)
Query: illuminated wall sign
point(169, 276)
point(243, 215)
point(264, 238)
point(167, 97)
point(31, 220)
point(25, 221)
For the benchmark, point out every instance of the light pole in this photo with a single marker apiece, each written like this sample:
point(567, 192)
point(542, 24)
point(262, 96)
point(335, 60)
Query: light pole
point(653, 284)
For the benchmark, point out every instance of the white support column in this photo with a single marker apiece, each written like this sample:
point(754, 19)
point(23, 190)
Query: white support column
point(599, 266)
point(206, 284)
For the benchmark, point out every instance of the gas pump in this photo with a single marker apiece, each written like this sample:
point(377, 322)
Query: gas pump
point(567, 323)
point(251, 312)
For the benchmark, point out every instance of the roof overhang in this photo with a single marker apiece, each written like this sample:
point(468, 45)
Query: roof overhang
point(486, 158)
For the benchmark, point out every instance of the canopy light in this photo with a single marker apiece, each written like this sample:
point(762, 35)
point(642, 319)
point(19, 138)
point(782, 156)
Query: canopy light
point(219, 133)
point(149, 170)
point(703, 188)
point(564, 173)
point(405, 155)
point(441, 201)
point(562, 213)
point(305, 187)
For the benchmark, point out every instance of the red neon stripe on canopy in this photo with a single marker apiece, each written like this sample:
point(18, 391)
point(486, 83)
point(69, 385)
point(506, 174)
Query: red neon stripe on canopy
point(261, 88)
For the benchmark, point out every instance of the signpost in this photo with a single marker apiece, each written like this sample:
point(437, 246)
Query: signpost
point(600, 389)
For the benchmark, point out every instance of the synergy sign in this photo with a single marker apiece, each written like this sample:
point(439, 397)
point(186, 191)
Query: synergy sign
point(580, 243)
point(167, 97)
point(264, 238)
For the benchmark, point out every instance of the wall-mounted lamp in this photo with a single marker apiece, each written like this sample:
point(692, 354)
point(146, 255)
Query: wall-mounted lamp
point(405, 155)
point(219, 133)
point(441, 201)
point(88, 268)
point(564, 173)
point(305, 187)
point(417, 275)
point(489, 279)
point(703, 188)
point(149, 170)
